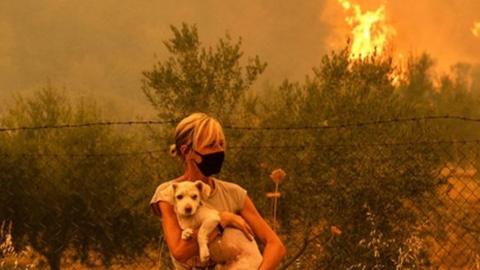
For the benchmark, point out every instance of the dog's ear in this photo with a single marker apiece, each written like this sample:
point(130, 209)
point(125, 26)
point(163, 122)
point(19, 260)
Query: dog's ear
point(167, 193)
point(204, 189)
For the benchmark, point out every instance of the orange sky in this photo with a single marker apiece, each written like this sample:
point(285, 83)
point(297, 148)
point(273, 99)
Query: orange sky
point(101, 47)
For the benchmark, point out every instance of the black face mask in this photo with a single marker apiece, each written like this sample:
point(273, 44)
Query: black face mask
point(211, 163)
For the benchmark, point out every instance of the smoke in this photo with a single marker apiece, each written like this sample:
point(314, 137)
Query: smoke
point(476, 29)
point(101, 47)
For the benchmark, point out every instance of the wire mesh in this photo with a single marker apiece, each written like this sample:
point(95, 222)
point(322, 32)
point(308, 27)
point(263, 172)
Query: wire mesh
point(375, 195)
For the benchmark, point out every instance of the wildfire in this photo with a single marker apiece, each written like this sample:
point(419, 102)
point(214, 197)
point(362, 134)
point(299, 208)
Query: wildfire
point(370, 32)
point(476, 29)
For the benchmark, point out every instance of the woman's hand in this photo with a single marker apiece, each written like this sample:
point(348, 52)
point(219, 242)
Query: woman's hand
point(232, 220)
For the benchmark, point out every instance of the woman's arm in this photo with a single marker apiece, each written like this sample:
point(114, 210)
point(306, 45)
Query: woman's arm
point(181, 250)
point(274, 249)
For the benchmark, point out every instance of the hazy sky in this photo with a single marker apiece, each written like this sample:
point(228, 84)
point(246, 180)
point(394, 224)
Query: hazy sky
point(102, 46)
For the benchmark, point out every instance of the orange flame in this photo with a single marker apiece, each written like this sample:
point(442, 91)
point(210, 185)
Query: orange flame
point(476, 29)
point(370, 32)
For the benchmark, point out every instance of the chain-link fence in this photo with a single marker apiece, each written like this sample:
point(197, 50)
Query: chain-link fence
point(394, 194)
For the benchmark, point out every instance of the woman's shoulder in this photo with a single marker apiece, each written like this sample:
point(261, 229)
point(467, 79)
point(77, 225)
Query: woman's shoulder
point(227, 185)
point(230, 194)
point(163, 192)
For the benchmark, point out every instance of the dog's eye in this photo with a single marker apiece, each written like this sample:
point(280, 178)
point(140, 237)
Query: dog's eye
point(179, 197)
point(194, 197)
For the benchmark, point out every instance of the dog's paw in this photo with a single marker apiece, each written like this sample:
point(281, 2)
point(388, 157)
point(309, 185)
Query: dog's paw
point(204, 255)
point(187, 234)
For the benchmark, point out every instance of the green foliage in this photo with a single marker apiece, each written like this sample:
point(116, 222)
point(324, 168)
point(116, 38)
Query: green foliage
point(197, 78)
point(342, 172)
point(57, 201)
point(417, 89)
point(456, 95)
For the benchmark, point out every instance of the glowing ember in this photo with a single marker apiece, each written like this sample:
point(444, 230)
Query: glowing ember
point(476, 29)
point(370, 32)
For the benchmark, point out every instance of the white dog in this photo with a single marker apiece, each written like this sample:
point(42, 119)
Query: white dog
point(233, 251)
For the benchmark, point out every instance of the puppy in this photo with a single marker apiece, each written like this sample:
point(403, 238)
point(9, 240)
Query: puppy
point(233, 251)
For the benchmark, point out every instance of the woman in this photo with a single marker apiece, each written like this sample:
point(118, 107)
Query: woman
point(200, 145)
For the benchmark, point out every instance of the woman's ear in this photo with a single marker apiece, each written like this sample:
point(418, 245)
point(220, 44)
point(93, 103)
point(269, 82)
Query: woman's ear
point(183, 149)
point(204, 189)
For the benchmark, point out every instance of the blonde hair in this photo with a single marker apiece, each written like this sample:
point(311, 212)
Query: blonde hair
point(196, 130)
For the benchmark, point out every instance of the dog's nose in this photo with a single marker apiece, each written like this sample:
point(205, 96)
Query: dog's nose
point(188, 209)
